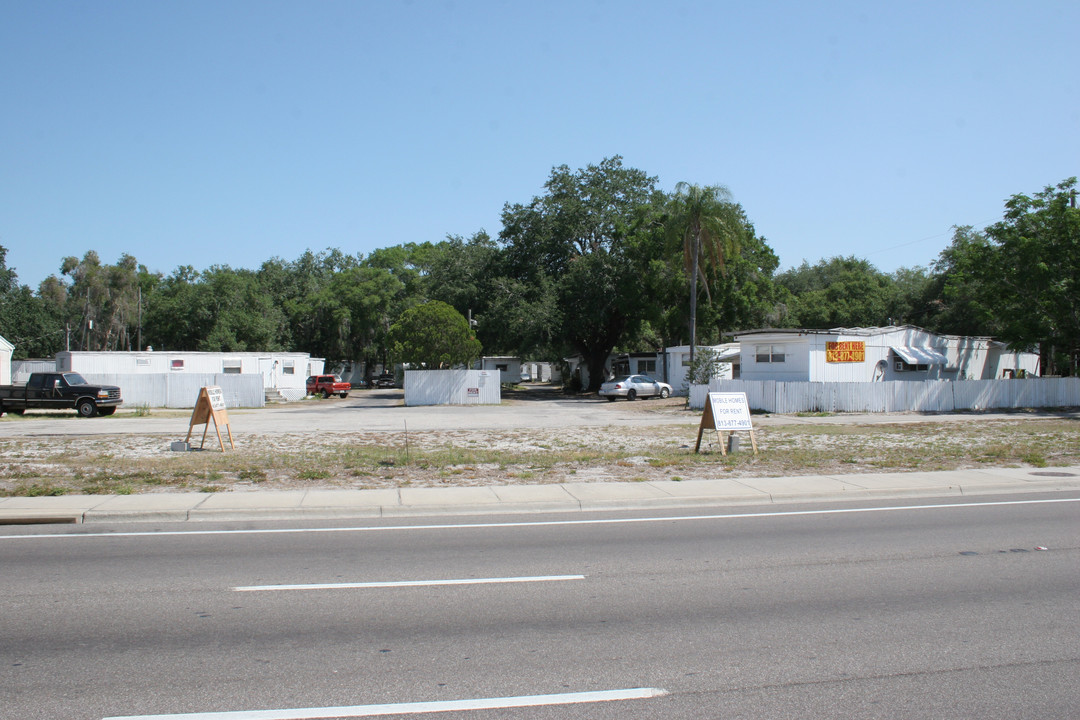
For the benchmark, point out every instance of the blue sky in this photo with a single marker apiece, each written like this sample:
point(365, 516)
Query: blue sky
point(229, 132)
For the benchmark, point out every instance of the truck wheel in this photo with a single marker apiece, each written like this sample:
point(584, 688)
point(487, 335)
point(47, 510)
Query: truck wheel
point(344, 395)
point(326, 394)
point(86, 408)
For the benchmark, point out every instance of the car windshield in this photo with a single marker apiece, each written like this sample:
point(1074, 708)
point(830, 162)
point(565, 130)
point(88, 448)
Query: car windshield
point(74, 379)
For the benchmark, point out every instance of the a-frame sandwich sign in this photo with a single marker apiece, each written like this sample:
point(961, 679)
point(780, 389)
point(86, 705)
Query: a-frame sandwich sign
point(211, 406)
point(726, 411)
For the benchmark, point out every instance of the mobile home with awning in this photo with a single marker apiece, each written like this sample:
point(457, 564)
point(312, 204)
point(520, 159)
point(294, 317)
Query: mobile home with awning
point(877, 354)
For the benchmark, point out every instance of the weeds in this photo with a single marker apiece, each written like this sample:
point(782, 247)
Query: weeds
point(36, 466)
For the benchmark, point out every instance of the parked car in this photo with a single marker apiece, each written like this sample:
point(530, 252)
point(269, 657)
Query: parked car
point(632, 387)
point(386, 380)
point(327, 385)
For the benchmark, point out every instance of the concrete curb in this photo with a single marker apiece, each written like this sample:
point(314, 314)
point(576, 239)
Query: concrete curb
point(523, 499)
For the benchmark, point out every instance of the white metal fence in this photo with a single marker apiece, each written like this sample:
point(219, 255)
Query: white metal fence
point(181, 390)
point(897, 396)
point(452, 387)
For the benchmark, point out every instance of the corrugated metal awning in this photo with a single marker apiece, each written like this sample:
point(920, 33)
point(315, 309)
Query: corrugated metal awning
point(920, 355)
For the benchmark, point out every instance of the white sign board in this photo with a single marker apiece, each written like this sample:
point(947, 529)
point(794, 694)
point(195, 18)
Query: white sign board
point(726, 411)
point(730, 411)
point(217, 398)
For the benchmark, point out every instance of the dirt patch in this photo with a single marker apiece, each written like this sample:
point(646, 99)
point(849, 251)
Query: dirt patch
point(641, 451)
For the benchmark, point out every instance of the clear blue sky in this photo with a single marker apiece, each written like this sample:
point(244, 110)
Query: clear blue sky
point(229, 132)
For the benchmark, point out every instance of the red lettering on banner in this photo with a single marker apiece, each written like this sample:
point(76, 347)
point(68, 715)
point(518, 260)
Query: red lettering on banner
point(846, 351)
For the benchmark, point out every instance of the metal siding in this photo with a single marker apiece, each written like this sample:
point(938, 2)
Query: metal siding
point(181, 390)
point(21, 369)
point(450, 387)
point(897, 396)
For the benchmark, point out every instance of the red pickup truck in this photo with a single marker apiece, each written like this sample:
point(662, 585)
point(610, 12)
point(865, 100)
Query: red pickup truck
point(328, 385)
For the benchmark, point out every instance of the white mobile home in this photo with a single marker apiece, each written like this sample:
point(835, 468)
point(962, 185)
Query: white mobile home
point(6, 349)
point(509, 368)
point(677, 364)
point(877, 354)
point(283, 373)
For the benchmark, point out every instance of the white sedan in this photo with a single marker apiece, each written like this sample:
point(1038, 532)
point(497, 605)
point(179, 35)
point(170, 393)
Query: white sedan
point(632, 387)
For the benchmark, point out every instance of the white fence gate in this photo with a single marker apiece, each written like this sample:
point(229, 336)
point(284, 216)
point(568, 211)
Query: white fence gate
point(452, 387)
point(897, 396)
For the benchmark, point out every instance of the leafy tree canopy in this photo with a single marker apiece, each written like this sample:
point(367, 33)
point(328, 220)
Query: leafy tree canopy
point(433, 335)
point(575, 258)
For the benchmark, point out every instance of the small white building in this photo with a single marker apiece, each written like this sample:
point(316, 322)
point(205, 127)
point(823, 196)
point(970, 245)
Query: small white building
point(540, 372)
point(638, 363)
point(509, 368)
point(877, 354)
point(677, 364)
point(6, 349)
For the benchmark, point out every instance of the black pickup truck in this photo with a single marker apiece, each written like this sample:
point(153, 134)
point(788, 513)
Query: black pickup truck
point(60, 391)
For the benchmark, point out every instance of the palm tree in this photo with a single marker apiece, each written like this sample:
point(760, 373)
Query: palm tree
point(708, 225)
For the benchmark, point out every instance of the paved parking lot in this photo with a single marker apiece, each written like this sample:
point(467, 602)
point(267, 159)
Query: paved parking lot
point(384, 410)
point(374, 410)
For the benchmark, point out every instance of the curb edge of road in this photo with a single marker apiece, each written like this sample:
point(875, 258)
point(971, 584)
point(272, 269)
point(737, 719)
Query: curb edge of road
point(196, 515)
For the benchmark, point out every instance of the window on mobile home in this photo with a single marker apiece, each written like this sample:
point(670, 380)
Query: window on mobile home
point(769, 353)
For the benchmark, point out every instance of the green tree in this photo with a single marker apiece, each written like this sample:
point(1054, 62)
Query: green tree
point(839, 292)
point(709, 228)
point(1036, 271)
point(433, 335)
point(574, 259)
point(31, 324)
point(218, 310)
point(962, 294)
point(367, 297)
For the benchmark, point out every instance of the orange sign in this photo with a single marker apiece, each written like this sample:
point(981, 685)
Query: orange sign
point(848, 351)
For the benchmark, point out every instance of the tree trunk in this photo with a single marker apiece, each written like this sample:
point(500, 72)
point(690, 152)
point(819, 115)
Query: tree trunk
point(596, 361)
point(693, 294)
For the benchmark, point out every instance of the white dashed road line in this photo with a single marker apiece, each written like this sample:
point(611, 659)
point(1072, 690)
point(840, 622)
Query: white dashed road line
point(360, 711)
point(408, 583)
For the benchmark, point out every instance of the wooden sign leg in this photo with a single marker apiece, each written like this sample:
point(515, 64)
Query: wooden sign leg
point(720, 439)
point(697, 448)
point(229, 430)
point(206, 429)
point(753, 441)
point(217, 429)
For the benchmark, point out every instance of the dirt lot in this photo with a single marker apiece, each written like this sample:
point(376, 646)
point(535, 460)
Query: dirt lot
point(372, 441)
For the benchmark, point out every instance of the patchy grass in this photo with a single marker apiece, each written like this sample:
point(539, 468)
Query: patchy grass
point(139, 464)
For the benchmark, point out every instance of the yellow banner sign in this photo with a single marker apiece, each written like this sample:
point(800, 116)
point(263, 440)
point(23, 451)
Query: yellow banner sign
point(849, 351)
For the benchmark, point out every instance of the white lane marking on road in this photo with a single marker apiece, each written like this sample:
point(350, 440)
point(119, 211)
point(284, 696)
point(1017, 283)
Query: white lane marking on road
point(543, 523)
point(356, 711)
point(409, 583)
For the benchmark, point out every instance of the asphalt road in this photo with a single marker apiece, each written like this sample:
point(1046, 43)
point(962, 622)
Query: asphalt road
point(803, 612)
